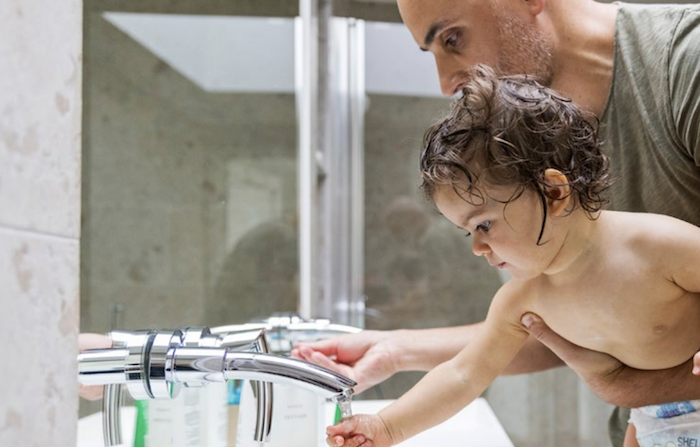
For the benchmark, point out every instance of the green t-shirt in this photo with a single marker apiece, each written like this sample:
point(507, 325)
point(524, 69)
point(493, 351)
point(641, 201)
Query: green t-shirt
point(651, 123)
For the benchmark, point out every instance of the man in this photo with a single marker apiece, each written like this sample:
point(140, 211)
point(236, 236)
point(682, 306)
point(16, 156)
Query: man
point(638, 69)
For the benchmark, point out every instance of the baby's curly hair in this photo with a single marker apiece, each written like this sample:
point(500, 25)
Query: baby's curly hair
point(506, 131)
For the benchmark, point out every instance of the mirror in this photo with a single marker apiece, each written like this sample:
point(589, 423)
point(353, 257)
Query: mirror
point(189, 165)
point(189, 190)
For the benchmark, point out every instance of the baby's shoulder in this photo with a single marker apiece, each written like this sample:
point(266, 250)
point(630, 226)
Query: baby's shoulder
point(651, 242)
point(514, 295)
point(642, 230)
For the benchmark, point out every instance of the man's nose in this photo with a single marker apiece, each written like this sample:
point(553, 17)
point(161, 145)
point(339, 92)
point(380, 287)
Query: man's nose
point(452, 78)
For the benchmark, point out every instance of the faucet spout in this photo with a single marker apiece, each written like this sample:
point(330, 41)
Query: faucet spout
point(322, 381)
point(220, 364)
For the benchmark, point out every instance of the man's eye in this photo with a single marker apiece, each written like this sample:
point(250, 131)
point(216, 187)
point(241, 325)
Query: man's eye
point(452, 40)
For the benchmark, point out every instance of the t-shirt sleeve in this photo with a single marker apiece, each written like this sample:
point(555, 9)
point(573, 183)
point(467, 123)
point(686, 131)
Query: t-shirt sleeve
point(684, 82)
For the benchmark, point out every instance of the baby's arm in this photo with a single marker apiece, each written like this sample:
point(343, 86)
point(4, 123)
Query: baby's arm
point(679, 248)
point(452, 385)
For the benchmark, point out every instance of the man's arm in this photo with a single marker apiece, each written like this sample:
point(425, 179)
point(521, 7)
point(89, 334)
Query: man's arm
point(615, 382)
point(424, 349)
point(370, 357)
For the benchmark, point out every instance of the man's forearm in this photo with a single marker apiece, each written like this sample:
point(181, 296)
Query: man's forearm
point(533, 357)
point(629, 387)
point(614, 382)
point(424, 349)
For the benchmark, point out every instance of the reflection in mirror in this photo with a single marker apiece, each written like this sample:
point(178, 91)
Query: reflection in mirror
point(189, 170)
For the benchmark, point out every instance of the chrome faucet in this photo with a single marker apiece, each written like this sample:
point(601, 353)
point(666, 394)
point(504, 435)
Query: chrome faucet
point(156, 364)
point(283, 329)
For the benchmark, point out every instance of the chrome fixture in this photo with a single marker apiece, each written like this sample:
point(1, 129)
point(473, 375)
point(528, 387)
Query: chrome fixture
point(284, 329)
point(156, 364)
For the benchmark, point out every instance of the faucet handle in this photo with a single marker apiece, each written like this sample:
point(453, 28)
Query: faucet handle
point(159, 364)
point(122, 364)
point(193, 336)
point(119, 365)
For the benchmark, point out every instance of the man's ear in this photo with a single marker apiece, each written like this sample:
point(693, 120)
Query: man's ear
point(557, 191)
point(535, 7)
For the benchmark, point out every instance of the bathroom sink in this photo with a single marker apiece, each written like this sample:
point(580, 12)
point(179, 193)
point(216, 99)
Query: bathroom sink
point(475, 426)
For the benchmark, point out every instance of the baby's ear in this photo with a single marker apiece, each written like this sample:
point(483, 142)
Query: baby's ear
point(557, 191)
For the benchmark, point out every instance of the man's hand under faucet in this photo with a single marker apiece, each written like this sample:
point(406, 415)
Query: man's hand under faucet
point(363, 357)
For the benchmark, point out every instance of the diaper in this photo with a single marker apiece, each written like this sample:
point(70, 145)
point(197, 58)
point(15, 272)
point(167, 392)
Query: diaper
point(675, 424)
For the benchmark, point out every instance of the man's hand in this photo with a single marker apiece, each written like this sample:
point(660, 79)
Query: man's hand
point(587, 363)
point(365, 357)
point(92, 341)
point(614, 381)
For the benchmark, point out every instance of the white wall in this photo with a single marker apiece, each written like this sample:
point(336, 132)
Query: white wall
point(40, 110)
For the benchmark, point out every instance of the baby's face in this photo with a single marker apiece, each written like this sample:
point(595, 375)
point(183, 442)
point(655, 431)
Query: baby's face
point(504, 232)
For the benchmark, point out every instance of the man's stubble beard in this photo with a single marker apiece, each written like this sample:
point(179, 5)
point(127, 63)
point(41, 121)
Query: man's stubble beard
point(523, 50)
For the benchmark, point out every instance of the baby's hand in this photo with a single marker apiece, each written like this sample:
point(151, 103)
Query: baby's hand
point(363, 430)
point(696, 364)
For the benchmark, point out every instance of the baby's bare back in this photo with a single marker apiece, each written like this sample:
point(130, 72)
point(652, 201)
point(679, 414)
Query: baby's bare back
point(628, 304)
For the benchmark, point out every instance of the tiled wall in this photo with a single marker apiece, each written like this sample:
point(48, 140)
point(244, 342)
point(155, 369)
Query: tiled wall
point(40, 109)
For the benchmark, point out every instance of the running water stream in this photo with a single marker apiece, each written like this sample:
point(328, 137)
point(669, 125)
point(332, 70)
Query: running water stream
point(345, 407)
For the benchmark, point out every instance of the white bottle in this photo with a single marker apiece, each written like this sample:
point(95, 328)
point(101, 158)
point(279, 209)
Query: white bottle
point(187, 418)
point(294, 418)
point(214, 411)
point(160, 422)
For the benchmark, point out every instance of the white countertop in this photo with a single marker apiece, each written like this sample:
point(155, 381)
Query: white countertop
point(90, 429)
point(474, 426)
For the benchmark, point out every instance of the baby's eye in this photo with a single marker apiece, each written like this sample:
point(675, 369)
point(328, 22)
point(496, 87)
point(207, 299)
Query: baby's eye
point(484, 226)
